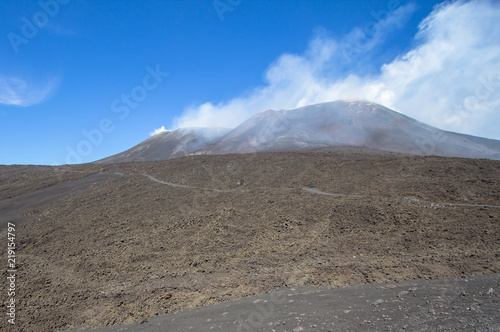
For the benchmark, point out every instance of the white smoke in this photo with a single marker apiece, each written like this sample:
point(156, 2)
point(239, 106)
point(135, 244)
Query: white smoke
point(158, 131)
point(450, 79)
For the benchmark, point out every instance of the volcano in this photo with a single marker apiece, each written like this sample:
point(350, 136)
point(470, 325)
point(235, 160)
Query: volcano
point(169, 145)
point(355, 123)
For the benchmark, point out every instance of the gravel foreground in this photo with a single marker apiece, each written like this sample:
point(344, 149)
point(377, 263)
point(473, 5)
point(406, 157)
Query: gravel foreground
point(113, 247)
point(460, 304)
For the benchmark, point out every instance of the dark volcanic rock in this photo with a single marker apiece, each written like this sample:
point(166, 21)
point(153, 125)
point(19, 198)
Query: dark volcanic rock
point(126, 242)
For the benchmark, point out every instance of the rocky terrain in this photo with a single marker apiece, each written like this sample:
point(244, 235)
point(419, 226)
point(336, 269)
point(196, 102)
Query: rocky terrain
point(214, 229)
point(456, 304)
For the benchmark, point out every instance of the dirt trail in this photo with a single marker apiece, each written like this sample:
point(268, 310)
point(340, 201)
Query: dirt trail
point(318, 192)
point(152, 178)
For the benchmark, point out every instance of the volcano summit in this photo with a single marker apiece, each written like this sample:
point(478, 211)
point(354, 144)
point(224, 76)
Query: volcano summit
point(357, 123)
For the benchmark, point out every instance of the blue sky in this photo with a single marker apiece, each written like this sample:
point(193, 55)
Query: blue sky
point(84, 79)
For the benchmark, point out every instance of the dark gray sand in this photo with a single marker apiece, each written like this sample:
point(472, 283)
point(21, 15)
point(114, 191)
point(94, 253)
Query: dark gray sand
point(11, 208)
point(463, 304)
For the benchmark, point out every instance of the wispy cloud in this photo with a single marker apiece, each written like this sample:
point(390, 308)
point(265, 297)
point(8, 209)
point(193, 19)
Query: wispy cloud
point(450, 79)
point(20, 92)
point(363, 39)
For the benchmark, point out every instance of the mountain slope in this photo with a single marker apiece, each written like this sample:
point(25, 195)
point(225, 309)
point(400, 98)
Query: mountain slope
point(353, 123)
point(169, 144)
point(357, 123)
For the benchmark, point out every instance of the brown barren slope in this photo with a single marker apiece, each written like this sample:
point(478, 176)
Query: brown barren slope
point(132, 248)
